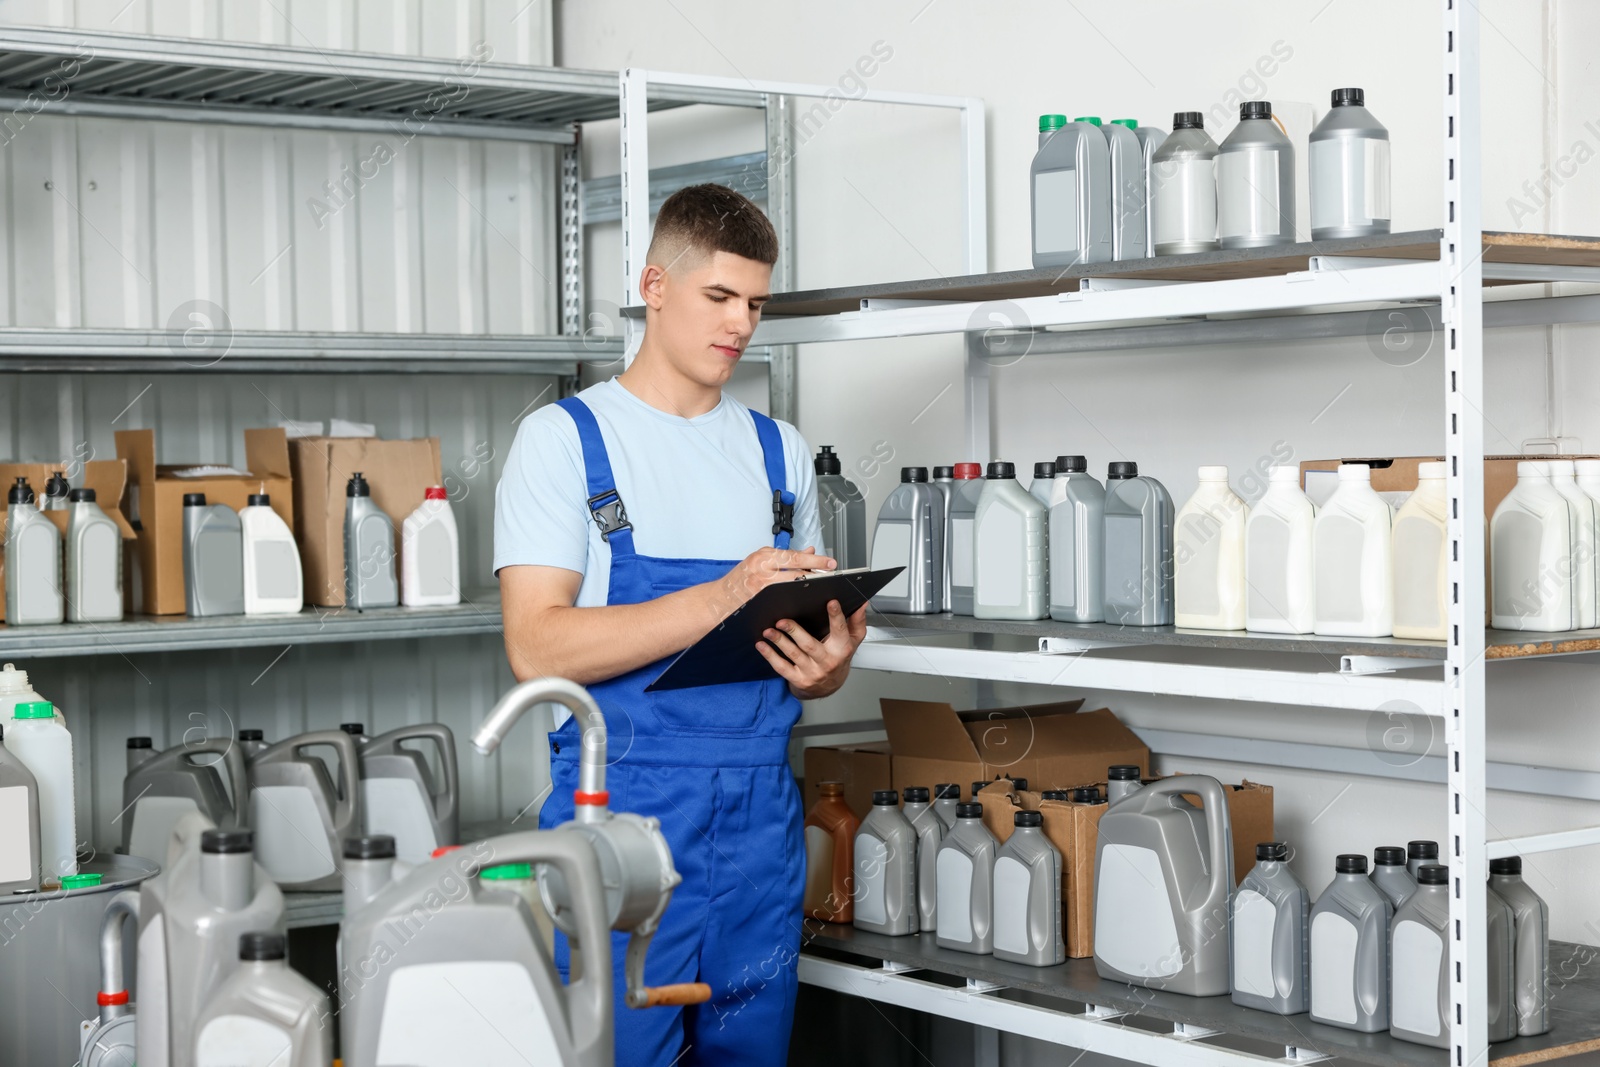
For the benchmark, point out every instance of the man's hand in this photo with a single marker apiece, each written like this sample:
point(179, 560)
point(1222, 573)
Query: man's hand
point(815, 668)
point(764, 567)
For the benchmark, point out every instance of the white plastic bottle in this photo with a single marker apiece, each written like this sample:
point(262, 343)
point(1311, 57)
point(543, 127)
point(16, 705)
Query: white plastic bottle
point(430, 553)
point(1530, 553)
point(1419, 558)
point(1279, 566)
point(273, 581)
point(41, 742)
point(1208, 554)
point(1588, 478)
point(94, 561)
point(33, 562)
point(1008, 573)
point(14, 690)
point(1581, 513)
point(1354, 590)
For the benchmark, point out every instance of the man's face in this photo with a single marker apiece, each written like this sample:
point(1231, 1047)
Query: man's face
point(705, 311)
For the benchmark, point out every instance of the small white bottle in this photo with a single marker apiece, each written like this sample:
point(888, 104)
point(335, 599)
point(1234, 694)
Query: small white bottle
point(430, 553)
point(1008, 573)
point(1208, 553)
point(1581, 510)
point(1351, 546)
point(1420, 556)
point(37, 738)
point(1530, 553)
point(33, 562)
point(273, 581)
point(94, 561)
point(1279, 566)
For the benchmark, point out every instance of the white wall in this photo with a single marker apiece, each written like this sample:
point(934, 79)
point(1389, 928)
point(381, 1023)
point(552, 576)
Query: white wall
point(876, 201)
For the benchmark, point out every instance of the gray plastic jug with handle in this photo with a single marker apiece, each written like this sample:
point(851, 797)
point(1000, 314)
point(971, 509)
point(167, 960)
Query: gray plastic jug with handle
point(299, 816)
point(1077, 521)
point(19, 814)
point(965, 873)
point(1532, 969)
point(1027, 896)
point(886, 868)
point(1138, 548)
point(1350, 951)
point(1420, 962)
point(1389, 874)
point(161, 787)
point(930, 832)
point(1163, 880)
point(843, 511)
point(1270, 927)
point(910, 535)
point(398, 794)
point(264, 1013)
point(1070, 188)
point(369, 556)
point(109, 1039)
point(213, 558)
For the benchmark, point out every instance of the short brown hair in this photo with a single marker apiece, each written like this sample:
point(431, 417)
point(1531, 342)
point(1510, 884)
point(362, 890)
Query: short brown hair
point(711, 218)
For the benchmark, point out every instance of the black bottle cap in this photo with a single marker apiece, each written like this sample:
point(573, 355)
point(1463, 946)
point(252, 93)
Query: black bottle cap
point(1020, 784)
point(978, 787)
point(913, 474)
point(1087, 794)
point(1433, 874)
point(1071, 465)
point(885, 797)
point(969, 811)
point(1422, 850)
point(357, 486)
point(252, 735)
point(139, 742)
point(1122, 469)
point(194, 500)
point(227, 842)
point(1027, 818)
point(1350, 863)
point(1188, 120)
point(826, 462)
point(916, 794)
point(77, 496)
point(999, 470)
point(21, 493)
point(1055, 794)
point(371, 847)
point(1506, 865)
point(944, 472)
point(1275, 851)
point(261, 946)
point(1123, 772)
point(1388, 856)
point(259, 500)
point(2, 733)
point(1349, 98)
point(354, 729)
point(57, 485)
point(1255, 109)
point(1044, 470)
point(947, 791)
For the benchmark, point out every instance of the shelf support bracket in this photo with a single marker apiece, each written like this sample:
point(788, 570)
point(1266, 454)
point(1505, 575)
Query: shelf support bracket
point(1192, 1031)
point(1071, 646)
point(1299, 1054)
point(1380, 664)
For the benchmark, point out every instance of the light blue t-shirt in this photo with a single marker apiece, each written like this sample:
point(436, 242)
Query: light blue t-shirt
point(694, 488)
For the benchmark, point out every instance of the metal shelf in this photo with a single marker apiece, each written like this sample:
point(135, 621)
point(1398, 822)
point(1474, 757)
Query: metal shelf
point(1072, 1005)
point(478, 613)
point(74, 72)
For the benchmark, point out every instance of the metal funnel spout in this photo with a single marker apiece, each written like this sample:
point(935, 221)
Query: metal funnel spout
point(591, 805)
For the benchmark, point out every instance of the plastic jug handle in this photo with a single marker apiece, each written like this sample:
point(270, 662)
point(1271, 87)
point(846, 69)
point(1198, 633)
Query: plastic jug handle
point(233, 759)
point(675, 996)
point(348, 808)
point(440, 735)
point(1218, 829)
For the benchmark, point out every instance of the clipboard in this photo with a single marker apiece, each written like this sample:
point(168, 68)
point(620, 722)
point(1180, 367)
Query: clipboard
point(728, 653)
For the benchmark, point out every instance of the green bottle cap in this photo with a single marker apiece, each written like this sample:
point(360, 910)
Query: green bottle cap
point(506, 872)
point(80, 881)
point(1051, 122)
point(34, 709)
point(1091, 119)
point(1132, 124)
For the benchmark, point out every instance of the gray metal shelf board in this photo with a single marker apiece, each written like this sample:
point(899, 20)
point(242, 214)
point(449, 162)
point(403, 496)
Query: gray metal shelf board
point(1575, 1000)
point(478, 613)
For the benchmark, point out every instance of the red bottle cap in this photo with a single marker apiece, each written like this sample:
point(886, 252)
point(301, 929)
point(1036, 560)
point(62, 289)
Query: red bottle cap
point(442, 850)
point(968, 470)
point(434, 492)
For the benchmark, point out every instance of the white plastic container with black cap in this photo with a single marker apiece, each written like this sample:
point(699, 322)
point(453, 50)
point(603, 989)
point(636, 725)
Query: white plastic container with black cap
point(430, 553)
point(94, 561)
point(1183, 189)
point(369, 572)
point(1350, 951)
point(966, 884)
point(273, 581)
point(1255, 182)
point(1348, 167)
point(33, 562)
point(908, 535)
point(1076, 557)
point(57, 492)
point(213, 558)
point(1138, 543)
point(264, 1014)
point(1389, 874)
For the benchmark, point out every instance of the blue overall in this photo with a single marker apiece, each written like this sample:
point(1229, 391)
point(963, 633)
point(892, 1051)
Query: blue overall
point(712, 764)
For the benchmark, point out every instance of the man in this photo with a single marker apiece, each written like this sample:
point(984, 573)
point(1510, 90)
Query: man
point(630, 520)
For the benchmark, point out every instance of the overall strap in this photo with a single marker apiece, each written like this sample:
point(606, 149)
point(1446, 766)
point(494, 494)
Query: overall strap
point(604, 502)
point(782, 499)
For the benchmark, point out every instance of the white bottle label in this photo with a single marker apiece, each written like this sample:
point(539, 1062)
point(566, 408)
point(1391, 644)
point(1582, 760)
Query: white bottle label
point(1198, 586)
point(1255, 919)
point(16, 850)
point(1126, 579)
point(872, 857)
point(397, 807)
point(1185, 200)
point(241, 1041)
point(291, 838)
point(1333, 968)
point(1134, 930)
point(954, 915)
point(891, 547)
point(1247, 193)
point(1376, 171)
point(1340, 544)
point(1001, 557)
point(98, 593)
point(435, 560)
point(1055, 211)
point(1414, 989)
point(1011, 884)
point(277, 570)
point(449, 1014)
point(1267, 583)
point(1418, 597)
point(961, 552)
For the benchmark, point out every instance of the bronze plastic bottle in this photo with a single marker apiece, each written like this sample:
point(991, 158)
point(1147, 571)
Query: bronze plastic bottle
point(830, 856)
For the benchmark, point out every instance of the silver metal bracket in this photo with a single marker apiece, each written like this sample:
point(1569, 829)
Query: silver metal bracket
point(978, 985)
point(1112, 285)
point(1298, 1054)
point(1192, 1031)
point(1380, 664)
point(1101, 1012)
point(1070, 646)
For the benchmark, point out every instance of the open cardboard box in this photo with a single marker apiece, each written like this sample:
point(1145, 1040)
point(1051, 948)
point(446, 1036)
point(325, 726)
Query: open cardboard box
point(156, 503)
point(860, 768)
point(107, 477)
point(399, 473)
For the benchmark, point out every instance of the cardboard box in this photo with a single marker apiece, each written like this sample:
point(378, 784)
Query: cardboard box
point(861, 768)
point(107, 477)
point(1395, 477)
point(399, 473)
point(156, 504)
point(1074, 830)
point(1054, 746)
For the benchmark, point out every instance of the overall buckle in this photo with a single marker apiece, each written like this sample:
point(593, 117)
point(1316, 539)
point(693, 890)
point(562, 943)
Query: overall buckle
point(609, 513)
point(782, 514)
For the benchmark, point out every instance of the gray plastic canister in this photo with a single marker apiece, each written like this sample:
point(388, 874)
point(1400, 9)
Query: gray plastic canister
point(1121, 780)
point(886, 868)
point(1130, 234)
point(1151, 138)
point(264, 1013)
point(398, 794)
point(369, 556)
point(1009, 579)
point(299, 816)
point(19, 813)
point(910, 535)
point(1270, 927)
point(33, 562)
point(1138, 549)
point(1077, 514)
point(944, 481)
point(161, 787)
point(1070, 188)
point(843, 511)
point(1531, 972)
point(1255, 182)
point(946, 799)
point(1389, 874)
point(1183, 189)
point(1350, 951)
point(964, 494)
point(966, 884)
point(1419, 853)
point(1348, 167)
point(930, 831)
point(1027, 896)
point(1420, 964)
point(213, 558)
